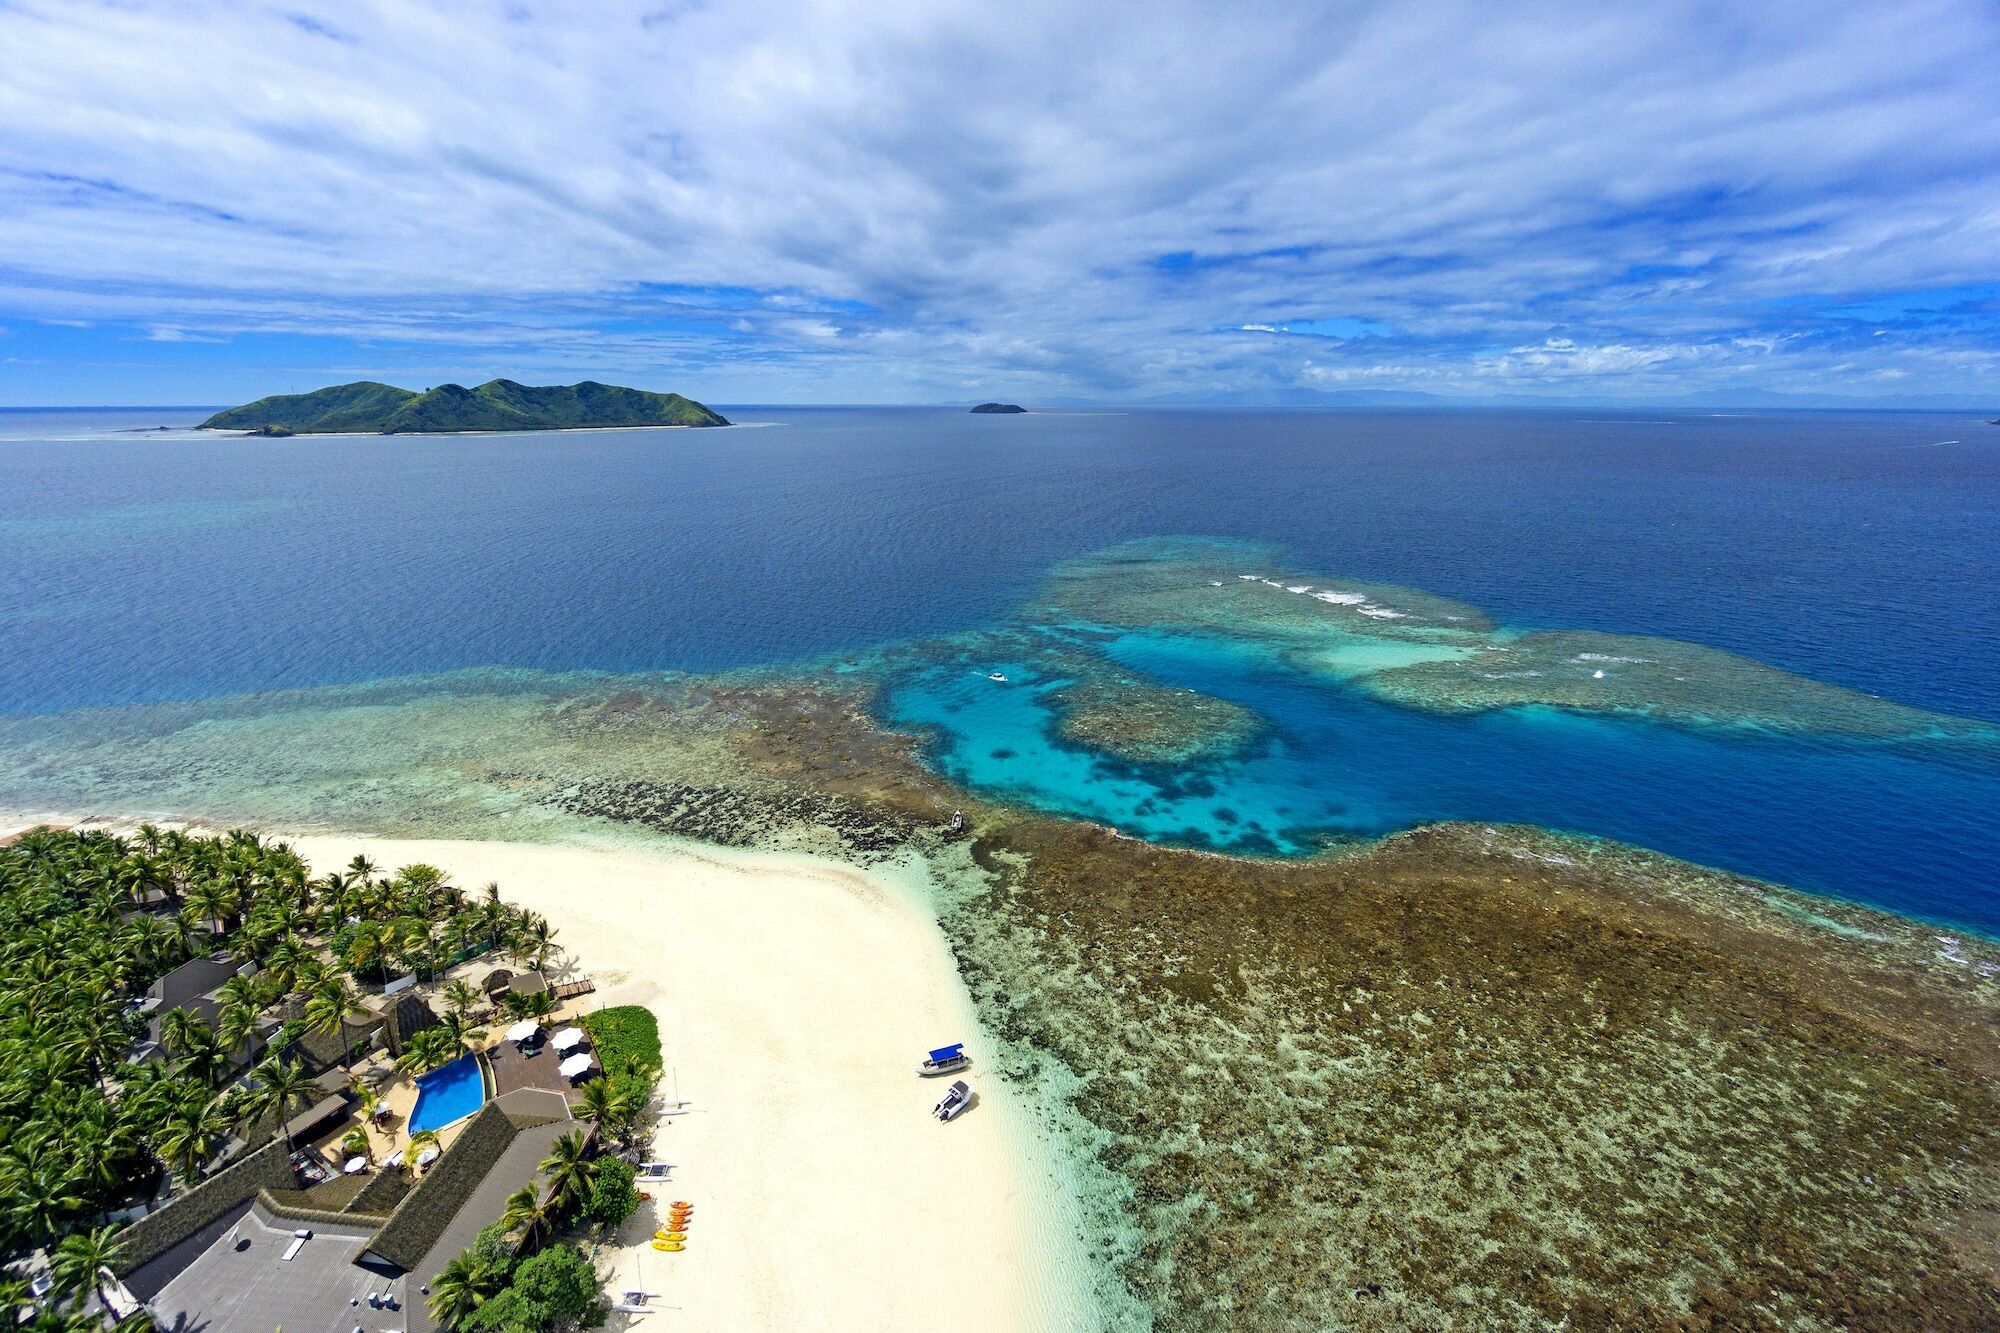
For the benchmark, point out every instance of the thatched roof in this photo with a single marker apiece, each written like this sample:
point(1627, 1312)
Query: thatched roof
point(270, 1167)
point(519, 1127)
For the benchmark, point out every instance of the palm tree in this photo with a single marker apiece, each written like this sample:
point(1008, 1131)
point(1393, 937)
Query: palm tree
point(356, 1143)
point(608, 1103)
point(146, 938)
point(80, 1263)
point(190, 1138)
point(370, 1100)
point(278, 1088)
point(459, 994)
point(534, 939)
point(369, 948)
point(37, 1193)
point(461, 1287)
point(428, 1049)
point(283, 962)
point(183, 937)
point(568, 1172)
point(327, 1008)
point(208, 904)
point(98, 1041)
point(518, 1004)
point(422, 1139)
point(235, 1025)
point(194, 1042)
point(524, 1212)
point(460, 1027)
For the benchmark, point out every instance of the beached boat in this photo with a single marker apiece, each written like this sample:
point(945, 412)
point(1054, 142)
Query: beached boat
point(944, 1060)
point(956, 1098)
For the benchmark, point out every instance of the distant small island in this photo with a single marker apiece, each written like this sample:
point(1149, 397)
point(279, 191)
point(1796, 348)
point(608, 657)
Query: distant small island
point(999, 407)
point(366, 407)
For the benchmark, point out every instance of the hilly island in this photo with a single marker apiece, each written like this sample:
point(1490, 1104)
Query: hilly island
point(366, 407)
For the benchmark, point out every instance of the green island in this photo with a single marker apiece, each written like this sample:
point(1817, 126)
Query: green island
point(368, 408)
point(199, 1031)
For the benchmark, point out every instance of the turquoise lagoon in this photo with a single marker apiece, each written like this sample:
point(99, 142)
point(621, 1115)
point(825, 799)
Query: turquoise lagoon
point(150, 584)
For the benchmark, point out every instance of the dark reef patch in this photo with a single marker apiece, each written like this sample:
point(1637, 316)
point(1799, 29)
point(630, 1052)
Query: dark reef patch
point(1488, 1078)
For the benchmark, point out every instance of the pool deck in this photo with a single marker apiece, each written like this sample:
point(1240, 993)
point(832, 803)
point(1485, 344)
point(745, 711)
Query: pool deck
point(511, 1069)
point(514, 1068)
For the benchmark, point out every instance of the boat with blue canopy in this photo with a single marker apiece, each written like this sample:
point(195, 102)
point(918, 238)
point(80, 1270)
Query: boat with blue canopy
point(944, 1060)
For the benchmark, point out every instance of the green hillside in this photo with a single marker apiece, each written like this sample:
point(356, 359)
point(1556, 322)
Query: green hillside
point(367, 407)
point(361, 406)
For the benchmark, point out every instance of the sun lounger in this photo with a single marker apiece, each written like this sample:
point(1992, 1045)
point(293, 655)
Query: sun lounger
point(655, 1170)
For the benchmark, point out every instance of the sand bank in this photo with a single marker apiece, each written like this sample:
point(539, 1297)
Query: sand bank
point(794, 996)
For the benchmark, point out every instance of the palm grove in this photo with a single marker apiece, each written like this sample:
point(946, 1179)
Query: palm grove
point(89, 920)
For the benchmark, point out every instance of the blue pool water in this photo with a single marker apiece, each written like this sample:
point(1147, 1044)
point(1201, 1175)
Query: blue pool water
point(448, 1094)
point(1861, 549)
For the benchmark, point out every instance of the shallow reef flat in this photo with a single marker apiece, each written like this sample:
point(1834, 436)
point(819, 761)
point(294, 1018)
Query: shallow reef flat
point(1423, 651)
point(1148, 723)
point(1471, 1076)
point(1482, 1077)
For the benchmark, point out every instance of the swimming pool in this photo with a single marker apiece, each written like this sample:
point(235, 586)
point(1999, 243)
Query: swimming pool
point(448, 1093)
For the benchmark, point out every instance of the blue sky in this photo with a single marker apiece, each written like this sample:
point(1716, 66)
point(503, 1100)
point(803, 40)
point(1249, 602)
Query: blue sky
point(884, 202)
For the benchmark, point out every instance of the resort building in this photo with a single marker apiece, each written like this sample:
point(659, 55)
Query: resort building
point(191, 986)
point(254, 1248)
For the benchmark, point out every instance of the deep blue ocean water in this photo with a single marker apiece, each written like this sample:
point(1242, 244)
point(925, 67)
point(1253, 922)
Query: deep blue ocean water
point(1857, 548)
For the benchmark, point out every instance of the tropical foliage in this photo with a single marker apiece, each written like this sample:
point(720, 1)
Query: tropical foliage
point(626, 1037)
point(513, 1278)
point(89, 920)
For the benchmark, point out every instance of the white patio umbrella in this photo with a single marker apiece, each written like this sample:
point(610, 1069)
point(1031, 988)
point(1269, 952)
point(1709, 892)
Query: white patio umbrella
point(574, 1067)
point(567, 1038)
point(355, 1166)
point(523, 1030)
point(428, 1155)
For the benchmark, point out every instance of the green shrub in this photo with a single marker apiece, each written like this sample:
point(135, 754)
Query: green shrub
point(612, 1197)
point(625, 1035)
point(557, 1289)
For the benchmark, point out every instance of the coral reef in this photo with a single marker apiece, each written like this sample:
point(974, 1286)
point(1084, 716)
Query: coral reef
point(1146, 723)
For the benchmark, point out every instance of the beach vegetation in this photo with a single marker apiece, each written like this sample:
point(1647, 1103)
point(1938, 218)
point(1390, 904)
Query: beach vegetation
point(517, 1005)
point(626, 1036)
point(96, 1110)
point(515, 1275)
point(614, 1195)
point(429, 1049)
point(420, 1140)
point(79, 1261)
point(465, 1284)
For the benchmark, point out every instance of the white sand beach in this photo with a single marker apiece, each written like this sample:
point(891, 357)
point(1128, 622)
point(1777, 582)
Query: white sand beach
point(794, 997)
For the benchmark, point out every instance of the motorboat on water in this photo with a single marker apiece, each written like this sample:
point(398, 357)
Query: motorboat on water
point(944, 1060)
point(956, 1098)
point(995, 675)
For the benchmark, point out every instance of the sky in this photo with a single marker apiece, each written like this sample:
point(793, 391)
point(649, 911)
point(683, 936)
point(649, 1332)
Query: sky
point(883, 202)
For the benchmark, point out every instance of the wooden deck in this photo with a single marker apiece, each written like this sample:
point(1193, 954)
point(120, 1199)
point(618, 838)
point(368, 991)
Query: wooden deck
point(514, 1069)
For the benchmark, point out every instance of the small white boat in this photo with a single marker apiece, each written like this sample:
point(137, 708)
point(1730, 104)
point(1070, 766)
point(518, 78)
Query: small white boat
point(944, 1060)
point(956, 1098)
point(995, 675)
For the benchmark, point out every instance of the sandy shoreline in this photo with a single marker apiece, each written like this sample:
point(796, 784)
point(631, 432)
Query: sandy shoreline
point(794, 995)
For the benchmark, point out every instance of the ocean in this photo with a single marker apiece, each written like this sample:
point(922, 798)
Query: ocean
point(1856, 549)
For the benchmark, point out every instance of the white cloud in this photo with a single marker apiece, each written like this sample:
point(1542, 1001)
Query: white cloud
point(910, 195)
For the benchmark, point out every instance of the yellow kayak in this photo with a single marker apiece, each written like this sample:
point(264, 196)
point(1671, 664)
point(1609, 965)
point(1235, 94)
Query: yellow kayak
point(670, 1246)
